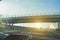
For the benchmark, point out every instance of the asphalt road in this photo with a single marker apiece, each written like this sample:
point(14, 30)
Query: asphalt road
point(36, 36)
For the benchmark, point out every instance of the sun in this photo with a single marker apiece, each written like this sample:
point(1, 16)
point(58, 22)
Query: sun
point(37, 25)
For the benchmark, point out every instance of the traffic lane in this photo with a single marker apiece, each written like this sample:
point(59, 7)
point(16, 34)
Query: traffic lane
point(17, 37)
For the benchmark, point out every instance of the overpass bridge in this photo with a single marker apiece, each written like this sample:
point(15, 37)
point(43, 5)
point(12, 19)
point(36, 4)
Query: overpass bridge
point(26, 19)
point(31, 19)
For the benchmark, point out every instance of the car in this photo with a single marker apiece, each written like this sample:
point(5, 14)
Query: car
point(17, 37)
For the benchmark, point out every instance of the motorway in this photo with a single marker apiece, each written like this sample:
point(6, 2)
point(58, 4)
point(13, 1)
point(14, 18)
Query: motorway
point(46, 36)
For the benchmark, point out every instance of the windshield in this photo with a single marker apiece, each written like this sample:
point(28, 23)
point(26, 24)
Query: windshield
point(29, 19)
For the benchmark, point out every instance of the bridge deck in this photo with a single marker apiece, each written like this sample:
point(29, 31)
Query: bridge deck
point(27, 19)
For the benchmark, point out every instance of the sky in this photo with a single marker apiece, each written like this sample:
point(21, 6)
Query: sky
point(29, 7)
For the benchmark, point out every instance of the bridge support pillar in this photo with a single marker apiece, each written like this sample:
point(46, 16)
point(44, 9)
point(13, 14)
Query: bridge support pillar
point(58, 25)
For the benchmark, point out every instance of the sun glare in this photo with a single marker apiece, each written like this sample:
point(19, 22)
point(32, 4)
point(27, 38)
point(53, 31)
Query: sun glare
point(38, 25)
